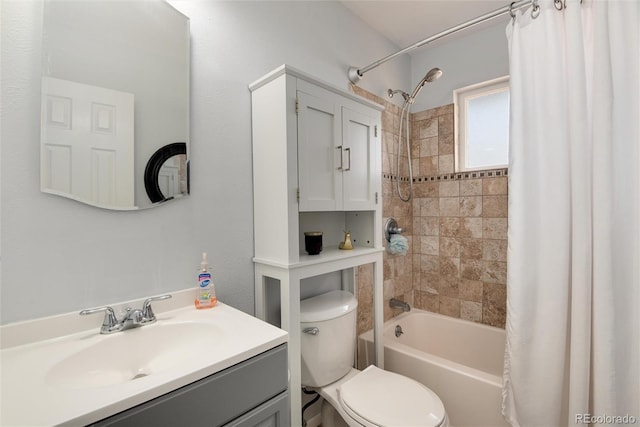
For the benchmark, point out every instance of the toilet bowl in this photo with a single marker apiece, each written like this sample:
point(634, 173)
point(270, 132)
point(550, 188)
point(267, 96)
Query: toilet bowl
point(372, 397)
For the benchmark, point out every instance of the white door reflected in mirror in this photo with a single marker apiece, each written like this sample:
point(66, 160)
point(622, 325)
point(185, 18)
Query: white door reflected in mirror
point(87, 143)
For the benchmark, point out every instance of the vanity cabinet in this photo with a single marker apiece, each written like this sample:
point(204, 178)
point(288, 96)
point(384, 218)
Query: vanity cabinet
point(249, 394)
point(316, 167)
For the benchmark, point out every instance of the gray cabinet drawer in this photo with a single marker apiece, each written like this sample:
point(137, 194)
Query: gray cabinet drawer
point(274, 413)
point(215, 400)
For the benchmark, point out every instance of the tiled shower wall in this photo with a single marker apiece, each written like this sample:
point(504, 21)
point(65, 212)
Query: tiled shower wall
point(455, 224)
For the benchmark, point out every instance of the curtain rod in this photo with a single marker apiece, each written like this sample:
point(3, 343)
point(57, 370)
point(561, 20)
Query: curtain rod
point(355, 74)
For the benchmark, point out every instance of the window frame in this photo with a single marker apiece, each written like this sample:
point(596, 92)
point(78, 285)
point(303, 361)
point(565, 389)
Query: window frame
point(461, 97)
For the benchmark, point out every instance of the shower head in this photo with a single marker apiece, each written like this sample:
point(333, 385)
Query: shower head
point(432, 75)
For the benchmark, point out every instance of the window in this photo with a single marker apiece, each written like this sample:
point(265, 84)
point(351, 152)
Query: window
point(482, 125)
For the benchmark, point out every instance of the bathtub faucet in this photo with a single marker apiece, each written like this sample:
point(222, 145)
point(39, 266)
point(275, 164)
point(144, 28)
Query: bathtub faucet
point(396, 303)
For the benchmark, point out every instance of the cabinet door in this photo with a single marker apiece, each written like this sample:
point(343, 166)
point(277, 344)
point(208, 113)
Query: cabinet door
point(319, 173)
point(360, 159)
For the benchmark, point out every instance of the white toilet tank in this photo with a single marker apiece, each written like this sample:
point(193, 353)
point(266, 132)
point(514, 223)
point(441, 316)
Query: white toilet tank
point(328, 336)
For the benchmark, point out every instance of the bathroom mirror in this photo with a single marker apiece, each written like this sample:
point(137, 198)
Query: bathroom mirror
point(115, 102)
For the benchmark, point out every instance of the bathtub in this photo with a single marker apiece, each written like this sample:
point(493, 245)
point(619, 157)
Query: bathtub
point(460, 361)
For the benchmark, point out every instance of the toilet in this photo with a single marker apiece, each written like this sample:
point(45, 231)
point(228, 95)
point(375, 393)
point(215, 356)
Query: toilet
point(372, 397)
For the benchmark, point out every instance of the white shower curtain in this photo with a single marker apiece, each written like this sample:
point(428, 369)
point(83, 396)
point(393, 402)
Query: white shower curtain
point(573, 328)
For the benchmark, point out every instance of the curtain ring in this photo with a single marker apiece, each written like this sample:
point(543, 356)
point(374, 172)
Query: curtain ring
point(558, 4)
point(511, 12)
point(535, 12)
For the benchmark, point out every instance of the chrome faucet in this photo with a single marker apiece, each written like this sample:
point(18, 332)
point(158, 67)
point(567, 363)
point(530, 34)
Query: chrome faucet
point(396, 303)
point(131, 319)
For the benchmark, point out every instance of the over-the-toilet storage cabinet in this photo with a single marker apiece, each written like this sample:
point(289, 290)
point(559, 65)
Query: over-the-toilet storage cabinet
point(316, 167)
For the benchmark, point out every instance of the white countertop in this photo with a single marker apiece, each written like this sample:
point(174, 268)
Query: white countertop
point(29, 398)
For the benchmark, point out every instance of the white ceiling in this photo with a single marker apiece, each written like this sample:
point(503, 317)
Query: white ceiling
point(407, 22)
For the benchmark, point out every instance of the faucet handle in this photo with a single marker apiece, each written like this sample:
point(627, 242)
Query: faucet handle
point(109, 323)
point(147, 312)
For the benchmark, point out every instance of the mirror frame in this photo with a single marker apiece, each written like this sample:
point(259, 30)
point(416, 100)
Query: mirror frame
point(152, 170)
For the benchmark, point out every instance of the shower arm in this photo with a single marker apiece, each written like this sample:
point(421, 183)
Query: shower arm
point(355, 74)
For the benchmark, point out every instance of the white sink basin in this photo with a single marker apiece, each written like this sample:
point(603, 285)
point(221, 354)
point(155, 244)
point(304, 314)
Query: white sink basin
point(135, 353)
point(78, 376)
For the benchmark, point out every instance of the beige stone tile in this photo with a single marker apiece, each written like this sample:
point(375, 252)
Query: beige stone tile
point(449, 206)
point(387, 267)
point(471, 311)
point(416, 277)
point(449, 306)
point(449, 226)
point(494, 206)
point(449, 267)
point(471, 206)
point(429, 264)
point(427, 301)
point(444, 110)
point(429, 166)
point(403, 265)
point(365, 318)
point(449, 188)
point(416, 203)
point(386, 164)
point(415, 148)
point(424, 115)
point(415, 164)
point(449, 247)
point(402, 284)
point(494, 186)
point(470, 290)
point(471, 269)
point(387, 289)
point(494, 250)
point(388, 142)
point(401, 210)
point(430, 206)
point(494, 228)
point(445, 144)
point(430, 226)
point(426, 189)
point(494, 272)
point(471, 187)
point(416, 244)
point(471, 248)
point(445, 125)
point(430, 283)
point(428, 128)
point(470, 227)
point(494, 305)
point(428, 147)
point(430, 245)
point(448, 286)
point(445, 164)
point(388, 121)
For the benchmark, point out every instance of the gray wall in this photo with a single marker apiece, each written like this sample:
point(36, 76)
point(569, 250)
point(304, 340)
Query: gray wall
point(465, 59)
point(60, 256)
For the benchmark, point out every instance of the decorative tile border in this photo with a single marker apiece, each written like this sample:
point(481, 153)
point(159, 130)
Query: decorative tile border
point(493, 173)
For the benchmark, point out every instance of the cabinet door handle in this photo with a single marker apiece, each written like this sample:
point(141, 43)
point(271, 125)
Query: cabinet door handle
point(348, 150)
point(341, 165)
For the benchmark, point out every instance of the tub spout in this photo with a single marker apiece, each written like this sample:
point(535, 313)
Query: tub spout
point(396, 303)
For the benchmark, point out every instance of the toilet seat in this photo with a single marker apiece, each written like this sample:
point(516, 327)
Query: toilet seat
point(378, 398)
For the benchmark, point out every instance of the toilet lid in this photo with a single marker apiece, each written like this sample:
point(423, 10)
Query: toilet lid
point(385, 399)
